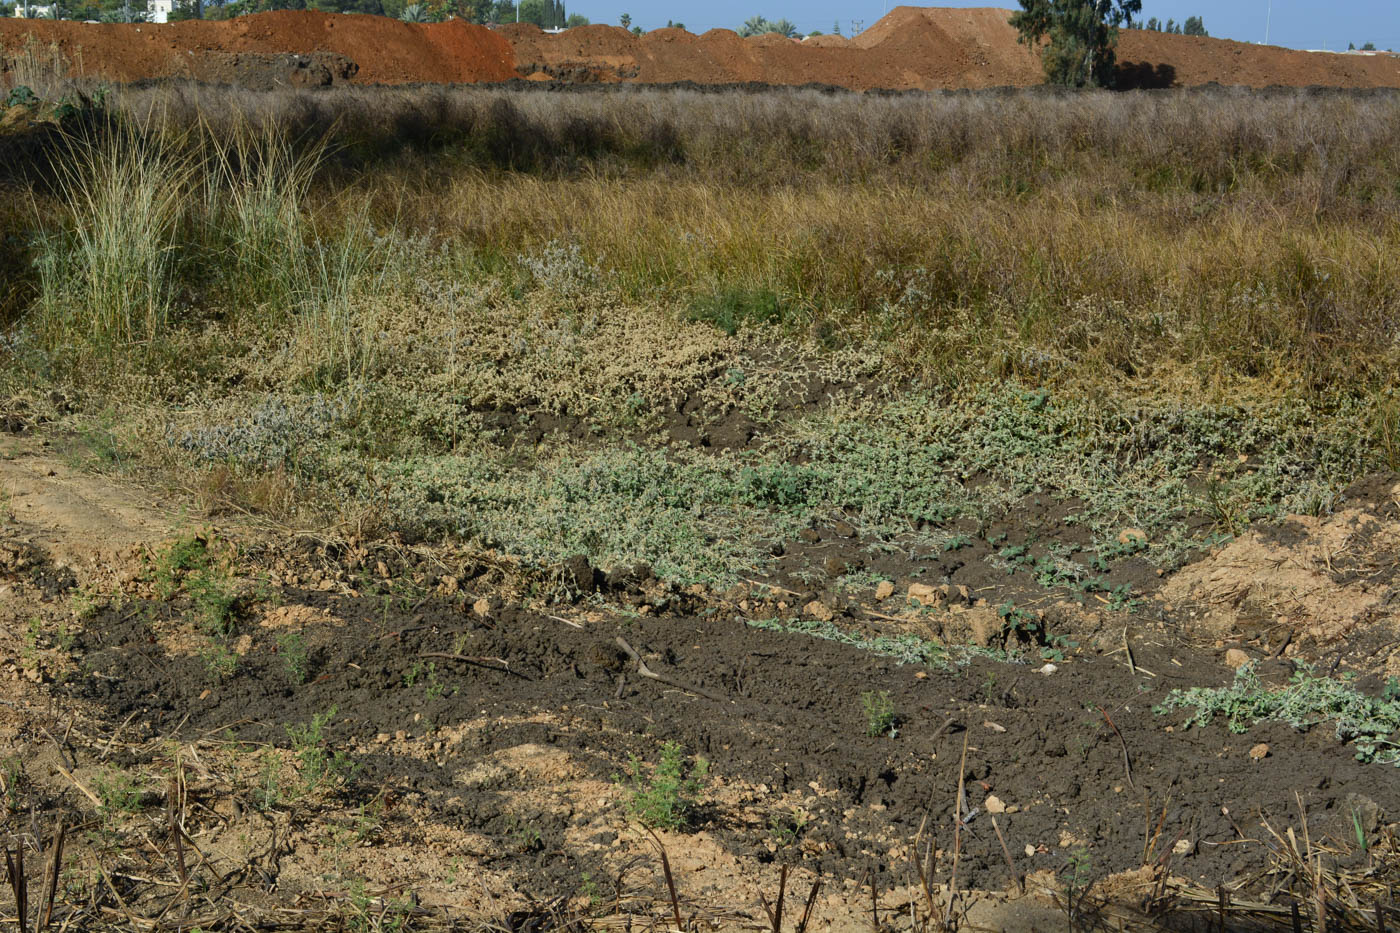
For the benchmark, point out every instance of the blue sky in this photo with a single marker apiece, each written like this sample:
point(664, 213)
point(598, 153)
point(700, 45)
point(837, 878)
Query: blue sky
point(1297, 23)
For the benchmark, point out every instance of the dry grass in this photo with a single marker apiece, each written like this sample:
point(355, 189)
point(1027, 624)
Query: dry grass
point(1248, 234)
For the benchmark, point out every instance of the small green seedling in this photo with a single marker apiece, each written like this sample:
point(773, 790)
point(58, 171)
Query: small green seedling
point(669, 796)
point(880, 717)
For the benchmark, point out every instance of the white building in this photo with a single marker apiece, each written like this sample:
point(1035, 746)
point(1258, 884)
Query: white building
point(158, 11)
point(23, 11)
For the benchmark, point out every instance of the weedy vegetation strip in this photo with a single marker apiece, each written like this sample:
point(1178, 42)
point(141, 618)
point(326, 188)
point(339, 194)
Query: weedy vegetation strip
point(351, 303)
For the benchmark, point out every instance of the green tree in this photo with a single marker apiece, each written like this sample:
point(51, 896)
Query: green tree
point(1369, 47)
point(124, 11)
point(1081, 34)
point(759, 26)
point(626, 20)
point(1154, 24)
point(1195, 26)
point(575, 20)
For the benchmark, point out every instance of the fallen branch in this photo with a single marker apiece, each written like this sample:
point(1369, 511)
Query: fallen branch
point(1020, 879)
point(661, 678)
point(477, 662)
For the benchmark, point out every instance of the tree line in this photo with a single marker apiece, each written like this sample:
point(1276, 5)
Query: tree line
point(547, 14)
point(1194, 26)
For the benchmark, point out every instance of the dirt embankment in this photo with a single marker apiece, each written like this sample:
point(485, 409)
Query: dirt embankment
point(365, 49)
point(911, 48)
point(919, 48)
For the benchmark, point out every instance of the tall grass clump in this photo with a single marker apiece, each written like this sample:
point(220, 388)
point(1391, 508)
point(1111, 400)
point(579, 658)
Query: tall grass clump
point(107, 270)
point(256, 188)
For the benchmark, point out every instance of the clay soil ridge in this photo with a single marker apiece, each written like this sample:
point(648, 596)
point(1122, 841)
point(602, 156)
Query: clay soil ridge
point(386, 51)
point(911, 48)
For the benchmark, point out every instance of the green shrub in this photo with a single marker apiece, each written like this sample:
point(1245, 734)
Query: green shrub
point(668, 796)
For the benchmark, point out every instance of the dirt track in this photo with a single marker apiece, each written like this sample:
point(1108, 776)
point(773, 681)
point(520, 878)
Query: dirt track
point(911, 48)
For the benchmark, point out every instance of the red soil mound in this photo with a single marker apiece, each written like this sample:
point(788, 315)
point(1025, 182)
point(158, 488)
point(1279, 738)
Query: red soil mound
point(1194, 60)
point(910, 48)
point(386, 50)
point(827, 42)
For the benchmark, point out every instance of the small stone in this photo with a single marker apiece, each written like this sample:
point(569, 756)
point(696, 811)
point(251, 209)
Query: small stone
point(1030, 850)
point(985, 626)
point(836, 566)
point(482, 607)
point(994, 726)
point(994, 804)
point(1183, 847)
point(1235, 659)
point(1132, 535)
point(819, 611)
point(843, 530)
point(921, 675)
point(1259, 752)
point(1047, 669)
point(884, 590)
point(924, 594)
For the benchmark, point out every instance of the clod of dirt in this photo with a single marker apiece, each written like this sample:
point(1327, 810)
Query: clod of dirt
point(1311, 579)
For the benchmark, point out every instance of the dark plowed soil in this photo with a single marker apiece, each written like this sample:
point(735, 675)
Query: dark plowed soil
point(1076, 754)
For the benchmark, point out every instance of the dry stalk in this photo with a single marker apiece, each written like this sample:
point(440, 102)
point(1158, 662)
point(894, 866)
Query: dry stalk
point(1011, 866)
point(957, 835)
point(775, 913)
point(670, 879)
point(811, 903)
